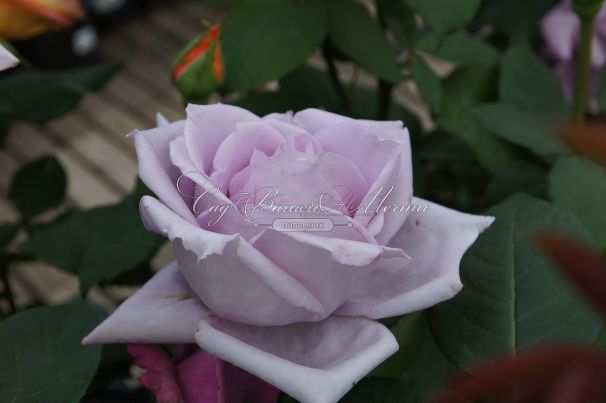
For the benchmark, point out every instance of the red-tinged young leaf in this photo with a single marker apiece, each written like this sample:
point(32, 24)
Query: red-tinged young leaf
point(584, 383)
point(507, 372)
point(589, 140)
point(582, 265)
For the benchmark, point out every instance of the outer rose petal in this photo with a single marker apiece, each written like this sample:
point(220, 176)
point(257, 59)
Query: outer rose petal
point(561, 28)
point(313, 362)
point(7, 60)
point(206, 128)
point(160, 376)
point(436, 240)
point(227, 273)
point(155, 168)
point(165, 310)
point(201, 380)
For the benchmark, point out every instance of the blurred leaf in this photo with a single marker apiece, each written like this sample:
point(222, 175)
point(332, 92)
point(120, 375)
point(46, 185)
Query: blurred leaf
point(513, 297)
point(427, 82)
point(461, 48)
point(517, 176)
point(265, 39)
point(401, 20)
point(4, 126)
point(583, 266)
point(7, 234)
point(408, 331)
point(445, 15)
point(580, 186)
point(458, 120)
point(527, 83)
point(519, 127)
point(222, 3)
point(601, 95)
point(38, 186)
point(355, 33)
point(472, 84)
point(39, 96)
point(42, 359)
point(517, 18)
point(97, 244)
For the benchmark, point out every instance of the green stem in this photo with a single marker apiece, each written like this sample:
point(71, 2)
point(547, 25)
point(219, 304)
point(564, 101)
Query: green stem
point(583, 70)
point(334, 76)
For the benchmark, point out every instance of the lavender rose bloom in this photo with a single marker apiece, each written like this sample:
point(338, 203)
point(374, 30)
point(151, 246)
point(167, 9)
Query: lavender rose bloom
point(297, 309)
point(7, 60)
point(561, 30)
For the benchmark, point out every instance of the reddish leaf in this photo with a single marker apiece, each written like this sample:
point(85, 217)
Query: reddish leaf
point(583, 266)
point(583, 383)
point(503, 374)
point(589, 140)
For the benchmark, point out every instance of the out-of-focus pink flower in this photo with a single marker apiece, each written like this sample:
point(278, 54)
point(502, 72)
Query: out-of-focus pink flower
point(194, 376)
point(7, 60)
point(561, 29)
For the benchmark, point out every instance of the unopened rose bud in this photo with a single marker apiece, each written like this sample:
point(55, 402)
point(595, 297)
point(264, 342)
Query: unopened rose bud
point(198, 70)
point(22, 19)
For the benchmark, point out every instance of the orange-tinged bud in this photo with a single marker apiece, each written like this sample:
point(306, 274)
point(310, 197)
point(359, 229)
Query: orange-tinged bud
point(22, 19)
point(198, 69)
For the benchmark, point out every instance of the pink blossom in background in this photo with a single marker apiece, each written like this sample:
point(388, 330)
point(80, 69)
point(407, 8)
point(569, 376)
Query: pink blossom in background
point(194, 376)
point(7, 60)
point(297, 309)
point(561, 29)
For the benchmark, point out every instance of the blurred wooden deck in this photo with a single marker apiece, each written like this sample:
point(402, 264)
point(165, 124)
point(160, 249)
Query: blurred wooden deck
point(91, 142)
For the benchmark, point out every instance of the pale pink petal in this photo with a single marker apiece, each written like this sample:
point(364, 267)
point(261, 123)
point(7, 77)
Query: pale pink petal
point(227, 273)
point(332, 269)
point(156, 169)
point(165, 310)
point(351, 137)
point(237, 149)
point(314, 120)
point(312, 362)
point(207, 126)
point(160, 376)
point(7, 60)
point(560, 29)
point(436, 241)
point(161, 120)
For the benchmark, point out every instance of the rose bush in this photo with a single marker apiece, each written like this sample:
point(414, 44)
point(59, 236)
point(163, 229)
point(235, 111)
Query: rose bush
point(296, 309)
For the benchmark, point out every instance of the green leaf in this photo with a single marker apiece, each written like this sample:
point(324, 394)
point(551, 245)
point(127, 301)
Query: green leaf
point(445, 15)
point(38, 186)
point(7, 234)
point(4, 126)
point(266, 39)
point(42, 359)
point(517, 176)
point(401, 21)
point(527, 83)
point(512, 296)
point(97, 244)
point(520, 127)
point(580, 186)
point(462, 49)
point(408, 331)
point(472, 84)
point(458, 120)
point(39, 96)
point(427, 82)
point(355, 33)
point(516, 18)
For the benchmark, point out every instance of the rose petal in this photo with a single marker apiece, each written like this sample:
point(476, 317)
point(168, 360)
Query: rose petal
point(7, 60)
point(160, 376)
point(312, 362)
point(207, 126)
point(560, 28)
point(201, 378)
point(331, 269)
point(165, 310)
point(155, 168)
point(228, 273)
point(436, 240)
